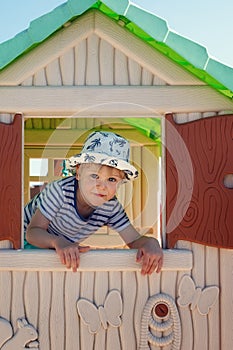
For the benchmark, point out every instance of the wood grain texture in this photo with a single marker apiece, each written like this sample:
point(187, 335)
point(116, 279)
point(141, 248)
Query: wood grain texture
point(11, 181)
point(204, 214)
point(95, 260)
point(114, 101)
point(55, 315)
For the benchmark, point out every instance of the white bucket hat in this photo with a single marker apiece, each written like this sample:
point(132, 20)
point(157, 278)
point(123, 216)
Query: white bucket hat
point(105, 148)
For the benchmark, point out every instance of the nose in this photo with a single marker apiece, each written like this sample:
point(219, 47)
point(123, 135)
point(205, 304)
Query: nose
point(100, 183)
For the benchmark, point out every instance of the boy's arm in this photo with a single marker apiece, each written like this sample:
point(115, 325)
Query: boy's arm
point(38, 236)
point(37, 233)
point(149, 251)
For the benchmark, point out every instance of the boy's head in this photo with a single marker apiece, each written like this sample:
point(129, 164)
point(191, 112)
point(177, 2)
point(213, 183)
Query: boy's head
point(105, 148)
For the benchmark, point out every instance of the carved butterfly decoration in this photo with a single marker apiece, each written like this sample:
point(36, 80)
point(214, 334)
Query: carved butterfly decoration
point(109, 313)
point(194, 296)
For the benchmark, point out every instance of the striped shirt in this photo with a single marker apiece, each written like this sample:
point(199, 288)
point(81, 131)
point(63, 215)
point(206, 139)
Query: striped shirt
point(57, 202)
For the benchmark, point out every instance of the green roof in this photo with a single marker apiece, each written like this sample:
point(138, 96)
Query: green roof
point(145, 25)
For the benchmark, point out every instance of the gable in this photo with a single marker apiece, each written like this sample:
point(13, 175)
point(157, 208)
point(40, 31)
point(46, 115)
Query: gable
point(150, 28)
point(97, 52)
point(93, 50)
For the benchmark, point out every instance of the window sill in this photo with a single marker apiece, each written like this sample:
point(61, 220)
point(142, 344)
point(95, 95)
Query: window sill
point(95, 260)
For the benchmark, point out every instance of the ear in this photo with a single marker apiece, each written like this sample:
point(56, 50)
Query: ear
point(77, 171)
point(21, 322)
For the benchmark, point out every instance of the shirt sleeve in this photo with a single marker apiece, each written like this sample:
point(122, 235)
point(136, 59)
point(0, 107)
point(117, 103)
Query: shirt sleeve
point(119, 219)
point(50, 200)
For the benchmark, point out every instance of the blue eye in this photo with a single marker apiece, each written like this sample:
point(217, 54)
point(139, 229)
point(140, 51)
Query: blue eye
point(112, 179)
point(94, 176)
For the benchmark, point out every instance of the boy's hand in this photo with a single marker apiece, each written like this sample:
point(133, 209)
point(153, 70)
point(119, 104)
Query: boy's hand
point(151, 257)
point(149, 254)
point(69, 253)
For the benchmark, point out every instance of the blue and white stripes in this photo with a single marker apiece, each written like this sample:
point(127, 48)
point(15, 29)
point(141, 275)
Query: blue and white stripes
point(57, 202)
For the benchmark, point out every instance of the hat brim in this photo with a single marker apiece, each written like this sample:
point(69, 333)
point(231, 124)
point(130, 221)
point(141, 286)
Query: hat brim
point(130, 171)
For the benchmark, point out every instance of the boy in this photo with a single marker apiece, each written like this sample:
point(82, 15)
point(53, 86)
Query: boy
point(69, 210)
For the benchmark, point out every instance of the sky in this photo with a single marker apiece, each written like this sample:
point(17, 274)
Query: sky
point(207, 22)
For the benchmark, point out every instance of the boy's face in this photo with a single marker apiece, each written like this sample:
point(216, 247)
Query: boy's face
point(98, 183)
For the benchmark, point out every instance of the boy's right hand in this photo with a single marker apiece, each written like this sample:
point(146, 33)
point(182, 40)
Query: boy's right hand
point(69, 253)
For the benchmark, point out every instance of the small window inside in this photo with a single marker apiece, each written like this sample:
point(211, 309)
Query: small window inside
point(38, 167)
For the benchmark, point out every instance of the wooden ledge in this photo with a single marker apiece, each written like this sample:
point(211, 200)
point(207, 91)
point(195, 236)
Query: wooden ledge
point(95, 260)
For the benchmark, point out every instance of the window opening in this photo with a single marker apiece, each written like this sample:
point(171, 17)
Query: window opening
point(46, 149)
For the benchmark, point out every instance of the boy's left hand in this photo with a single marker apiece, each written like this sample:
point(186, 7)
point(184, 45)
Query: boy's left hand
point(151, 256)
point(149, 251)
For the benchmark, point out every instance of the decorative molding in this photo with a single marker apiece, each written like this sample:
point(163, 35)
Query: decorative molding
point(196, 297)
point(107, 314)
point(77, 101)
point(160, 314)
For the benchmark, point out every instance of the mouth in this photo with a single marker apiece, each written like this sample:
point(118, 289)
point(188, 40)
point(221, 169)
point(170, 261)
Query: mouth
point(100, 195)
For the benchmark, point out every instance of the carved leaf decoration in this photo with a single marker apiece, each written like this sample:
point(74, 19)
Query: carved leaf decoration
point(194, 296)
point(109, 313)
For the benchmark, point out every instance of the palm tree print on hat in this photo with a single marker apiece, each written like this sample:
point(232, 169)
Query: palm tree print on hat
point(89, 158)
point(94, 143)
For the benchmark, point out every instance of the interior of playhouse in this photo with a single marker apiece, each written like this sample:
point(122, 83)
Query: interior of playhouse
point(49, 141)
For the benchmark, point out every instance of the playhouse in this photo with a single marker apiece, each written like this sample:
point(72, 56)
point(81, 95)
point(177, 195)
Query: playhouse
point(109, 65)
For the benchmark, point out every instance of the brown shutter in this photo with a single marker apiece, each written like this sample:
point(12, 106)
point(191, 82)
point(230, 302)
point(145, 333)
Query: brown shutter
point(10, 181)
point(199, 205)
